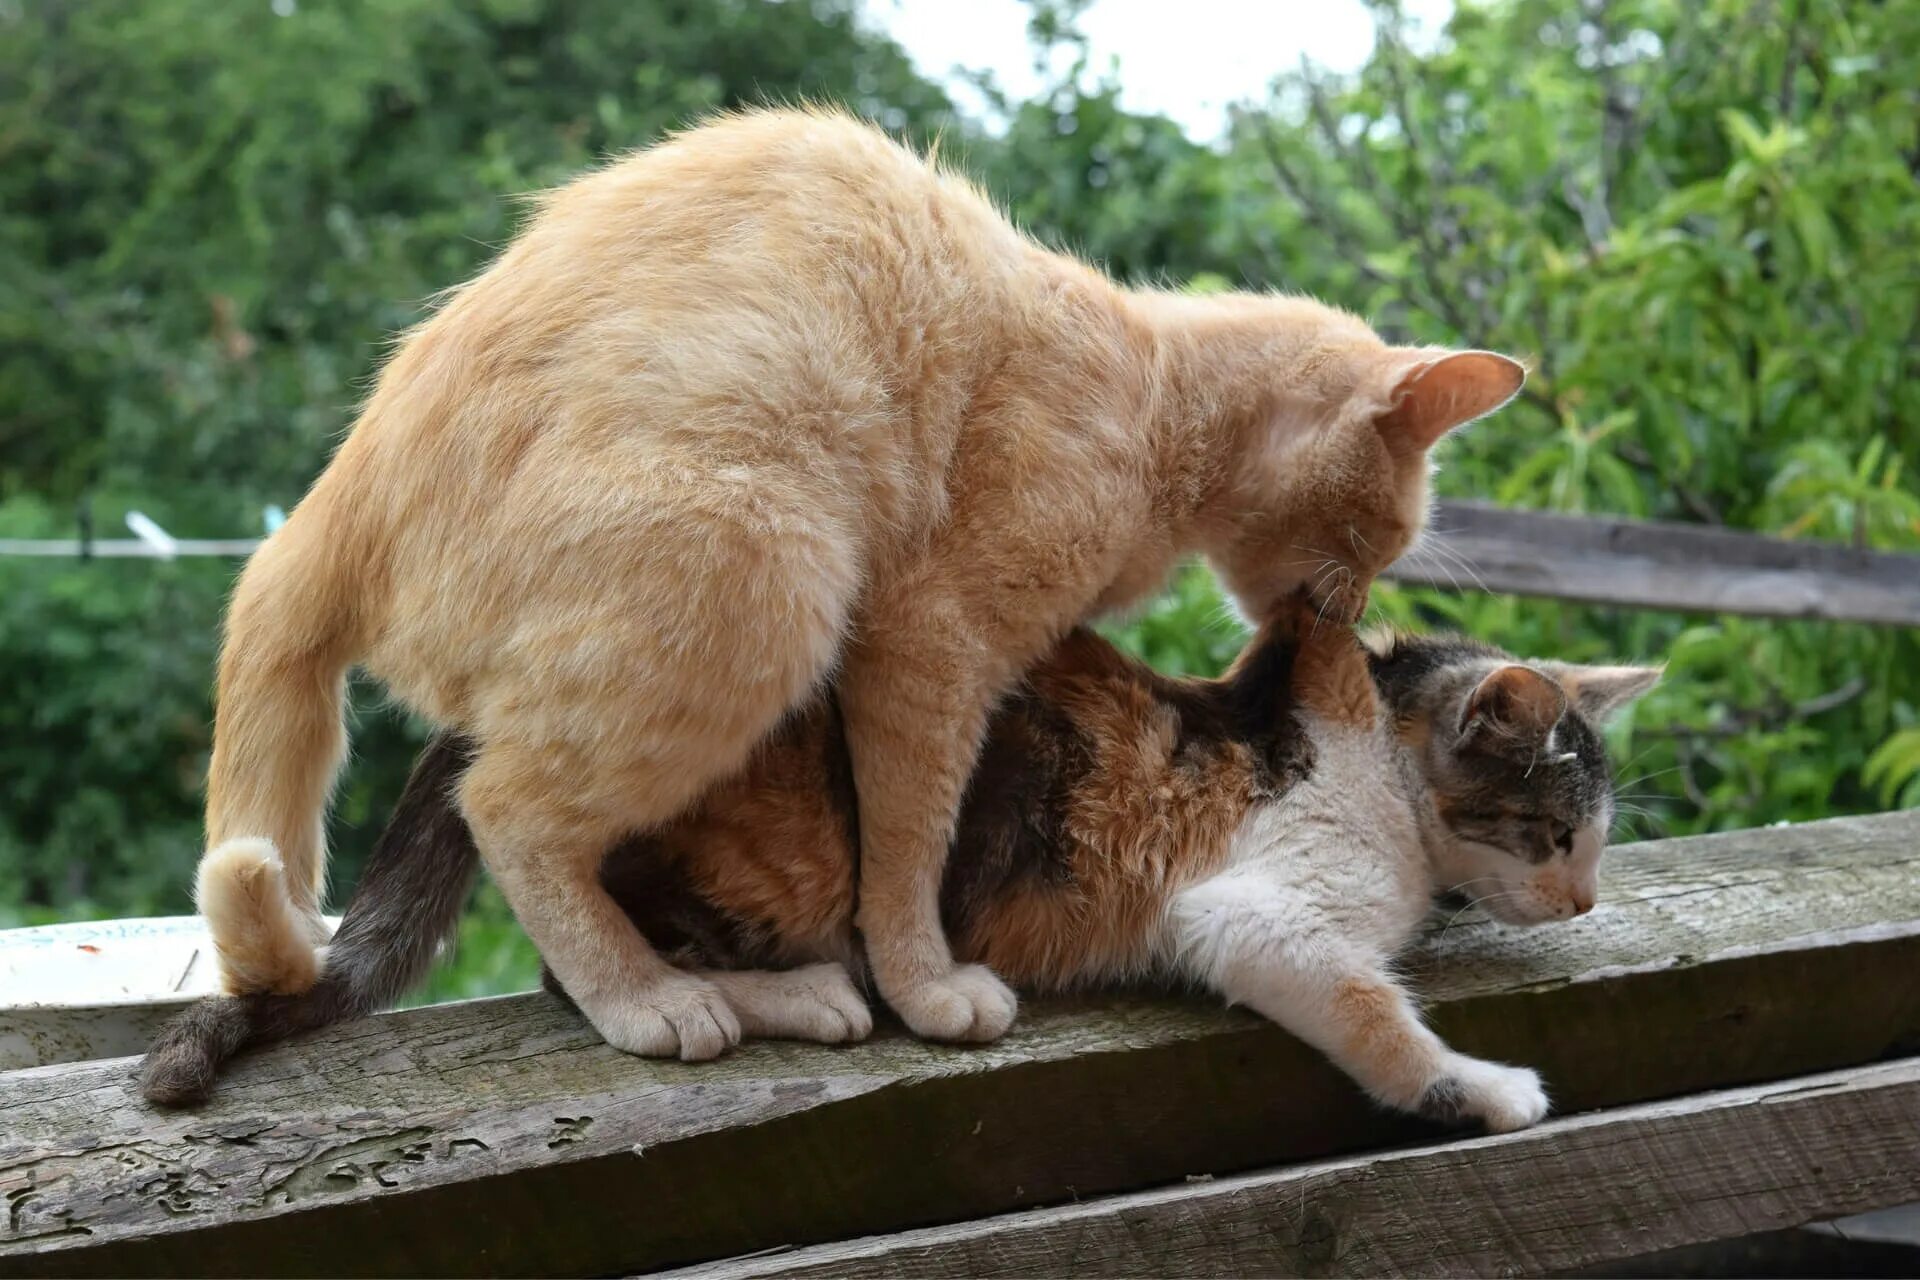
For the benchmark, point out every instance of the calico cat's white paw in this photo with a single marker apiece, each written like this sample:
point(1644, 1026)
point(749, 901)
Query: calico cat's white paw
point(968, 1003)
point(677, 1017)
point(818, 1002)
point(1502, 1098)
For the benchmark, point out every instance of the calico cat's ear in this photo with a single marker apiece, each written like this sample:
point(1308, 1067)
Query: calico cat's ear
point(1603, 692)
point(1437, 394)
point(1515, 707)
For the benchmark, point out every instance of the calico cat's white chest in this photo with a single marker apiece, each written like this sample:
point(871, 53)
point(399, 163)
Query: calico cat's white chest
point(1342, 847)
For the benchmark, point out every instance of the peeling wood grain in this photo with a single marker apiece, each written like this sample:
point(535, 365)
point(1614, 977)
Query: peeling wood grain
point(499, 1137)
point(1571, 1193)
point(1659, 565)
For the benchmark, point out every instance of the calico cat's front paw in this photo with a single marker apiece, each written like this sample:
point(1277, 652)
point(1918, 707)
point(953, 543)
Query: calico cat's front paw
point(967, 1003)
point(818, 1003)
point(1502, 1098)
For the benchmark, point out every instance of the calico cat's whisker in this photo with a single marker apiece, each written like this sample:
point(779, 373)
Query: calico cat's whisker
point(1641, 795)
point(1638, 756)
point(1476, 880)
point(1658, 773)
point(1630, 829)
point(1484, 898)
point(1648, 778)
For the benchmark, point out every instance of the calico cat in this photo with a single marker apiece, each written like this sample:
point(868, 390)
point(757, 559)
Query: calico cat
point(772, 400)
point(1275, 836)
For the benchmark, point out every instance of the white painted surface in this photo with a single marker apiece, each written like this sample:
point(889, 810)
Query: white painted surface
point(96, 989)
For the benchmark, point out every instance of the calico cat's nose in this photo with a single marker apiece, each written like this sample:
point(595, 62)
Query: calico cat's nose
point(1582, 901)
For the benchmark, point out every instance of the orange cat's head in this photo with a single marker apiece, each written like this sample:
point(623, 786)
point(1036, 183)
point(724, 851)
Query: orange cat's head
point(1331, 482)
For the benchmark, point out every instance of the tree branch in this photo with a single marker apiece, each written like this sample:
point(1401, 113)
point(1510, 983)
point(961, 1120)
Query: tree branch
point(1335, 228)
point(1639, 459)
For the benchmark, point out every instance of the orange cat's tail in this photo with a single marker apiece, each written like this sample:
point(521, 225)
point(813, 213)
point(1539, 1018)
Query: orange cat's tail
point(405, 907)
point(278, 741)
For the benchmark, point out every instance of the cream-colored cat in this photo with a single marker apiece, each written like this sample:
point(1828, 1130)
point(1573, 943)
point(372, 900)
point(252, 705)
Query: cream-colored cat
point(771, 400)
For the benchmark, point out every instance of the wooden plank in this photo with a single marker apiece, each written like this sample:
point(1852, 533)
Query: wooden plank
point(1572, 1193)
point(1658, 565)
point(499, 1137)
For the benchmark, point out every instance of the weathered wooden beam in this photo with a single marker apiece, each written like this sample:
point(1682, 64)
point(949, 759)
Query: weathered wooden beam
point(1658, 565)
point(499, 1137)
point(1572, 1193)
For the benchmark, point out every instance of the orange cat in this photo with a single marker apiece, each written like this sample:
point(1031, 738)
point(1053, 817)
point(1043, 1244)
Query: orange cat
point(772, 400)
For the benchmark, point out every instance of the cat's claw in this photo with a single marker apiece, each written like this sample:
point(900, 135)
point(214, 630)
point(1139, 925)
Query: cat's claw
point(965, 1004)
point(1502, 1098)
point(678, 1017)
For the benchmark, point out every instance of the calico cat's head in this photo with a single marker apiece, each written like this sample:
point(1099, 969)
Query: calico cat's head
point(1513, 757)
point(1331, 487)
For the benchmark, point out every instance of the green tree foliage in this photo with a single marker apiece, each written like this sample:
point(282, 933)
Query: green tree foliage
point(213, 218)
point(1697, 217)
point(217, 214)
point(1700, 221)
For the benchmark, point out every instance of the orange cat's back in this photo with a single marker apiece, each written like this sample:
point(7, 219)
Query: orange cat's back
point(771, 327)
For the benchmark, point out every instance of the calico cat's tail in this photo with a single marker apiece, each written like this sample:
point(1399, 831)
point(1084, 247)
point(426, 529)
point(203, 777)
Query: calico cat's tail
point(293, 629)
point(408, 902)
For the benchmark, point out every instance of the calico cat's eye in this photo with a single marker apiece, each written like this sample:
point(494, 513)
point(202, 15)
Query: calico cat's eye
point(1562, 837)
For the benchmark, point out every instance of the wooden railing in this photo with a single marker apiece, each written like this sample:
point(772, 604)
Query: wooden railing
point(1655, 565)
point(1640, 563)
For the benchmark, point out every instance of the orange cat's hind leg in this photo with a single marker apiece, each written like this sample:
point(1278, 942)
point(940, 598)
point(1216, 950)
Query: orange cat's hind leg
point(663, 635)
point(544, 849)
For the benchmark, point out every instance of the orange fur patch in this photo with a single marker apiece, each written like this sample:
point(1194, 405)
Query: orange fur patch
point(1381, 1042)
point(1140, 827)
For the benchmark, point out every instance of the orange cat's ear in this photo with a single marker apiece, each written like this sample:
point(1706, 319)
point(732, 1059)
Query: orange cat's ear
point(1436, 395)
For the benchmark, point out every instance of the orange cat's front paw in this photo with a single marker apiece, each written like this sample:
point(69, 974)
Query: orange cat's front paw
point(967, 1003)
point(678, 1017)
